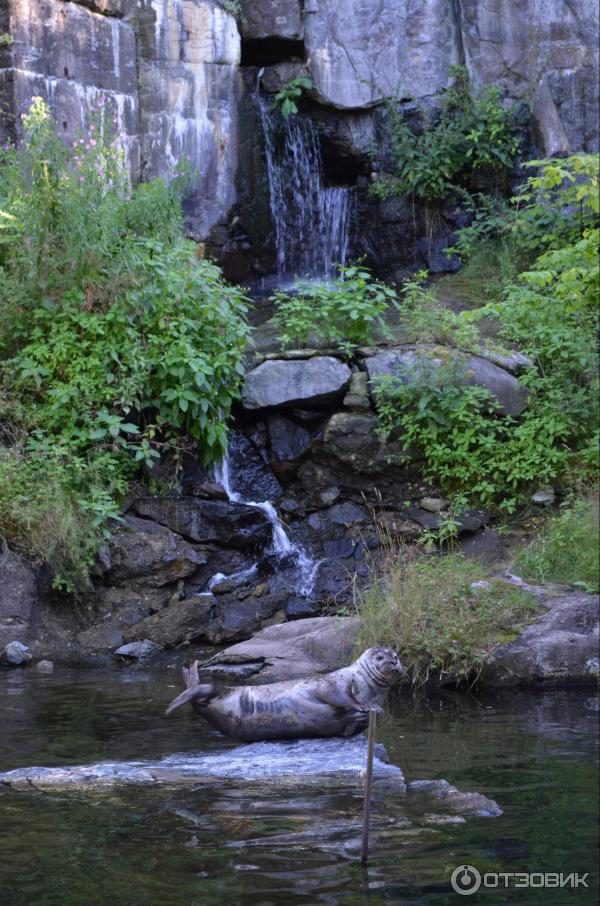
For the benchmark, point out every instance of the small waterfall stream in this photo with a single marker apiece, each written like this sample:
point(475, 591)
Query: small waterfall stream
point(312, 220)
point(281, 543)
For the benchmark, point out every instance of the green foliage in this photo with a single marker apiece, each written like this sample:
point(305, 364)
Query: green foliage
point(287, 96)
point(117, 340)
point(472, 134)
point(6, 40)
point(343, 312)
point(427, 609)
point(551, 312)
point(568, 548)
point(233, 7)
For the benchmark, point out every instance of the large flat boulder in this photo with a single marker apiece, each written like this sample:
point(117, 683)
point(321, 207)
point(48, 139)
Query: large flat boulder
point(309, 382)
point(290, 650)
point(510, 395)
point(561, 648)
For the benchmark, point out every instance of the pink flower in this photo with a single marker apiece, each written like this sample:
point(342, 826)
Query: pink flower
point(82, 179)
point(92, 142)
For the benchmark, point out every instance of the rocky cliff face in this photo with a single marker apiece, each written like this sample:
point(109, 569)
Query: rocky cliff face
point(169, 70)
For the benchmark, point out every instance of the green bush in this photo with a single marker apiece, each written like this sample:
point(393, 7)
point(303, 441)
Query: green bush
point(551, 313)
point(427, 609)
point(289, 94)
point(472, 134)
point(117, 339)
point(568, 548)
point(343, 312)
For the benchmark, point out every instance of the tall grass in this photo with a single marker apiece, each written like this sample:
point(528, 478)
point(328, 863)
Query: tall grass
point(568, 548)
point(438, 611)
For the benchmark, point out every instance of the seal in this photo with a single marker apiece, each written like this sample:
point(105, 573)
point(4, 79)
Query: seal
point(333, 704)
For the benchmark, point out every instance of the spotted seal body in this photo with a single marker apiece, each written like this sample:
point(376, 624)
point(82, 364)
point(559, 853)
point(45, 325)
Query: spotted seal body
point(334, 704)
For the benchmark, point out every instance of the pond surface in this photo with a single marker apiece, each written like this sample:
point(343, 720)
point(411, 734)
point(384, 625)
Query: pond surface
point(535, 754)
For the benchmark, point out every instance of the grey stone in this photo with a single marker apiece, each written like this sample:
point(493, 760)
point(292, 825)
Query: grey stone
point(272, 18)
point(289, 441)
point(328, 762)
point(433, 504)
point(510, 396)
point(138, 651)
point(295, 649)
point(451, 798)
point(249, 473)
point(300, 609)
point(347, 513)
point(515, 362)
point(314, 381)
point(226, 523)
point(44, 666)
point(19, 596)
point(339, 550)
point(357, 397)
point(560, 648)
point(544, 497)
point(148, 553)
point(234, 620)
point(181, 621)
point(15, 654)
point(352, 438)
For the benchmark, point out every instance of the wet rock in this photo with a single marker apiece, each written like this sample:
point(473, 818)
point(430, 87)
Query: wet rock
point(19, 598)
point(207, 489)
point(138, 651)
point(226, 523)
point(560, 648)
point(182, 621)
point(510, 396)
point(295, 649)
point(339, 550)
point(44, 666)
point(433, 252)
point(314, 381)
point(448, 796)
point(353, 439)
point(100, 638)
point(147, 553)
point(234, 620)
point(300, 609)
point(467, 522)
point(271, 18)
point(487, 547)
point(289, 441)
point(250, 475)
point(328, 762)
point(15, 654)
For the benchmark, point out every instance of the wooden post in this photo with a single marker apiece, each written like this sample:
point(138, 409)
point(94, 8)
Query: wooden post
point(364, 851)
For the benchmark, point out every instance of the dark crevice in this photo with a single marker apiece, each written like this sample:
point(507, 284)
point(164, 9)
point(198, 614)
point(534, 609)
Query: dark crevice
point(268, 51)
point(340, 168)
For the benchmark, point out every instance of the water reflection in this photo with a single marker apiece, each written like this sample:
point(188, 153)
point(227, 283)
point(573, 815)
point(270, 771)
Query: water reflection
point(535, 754)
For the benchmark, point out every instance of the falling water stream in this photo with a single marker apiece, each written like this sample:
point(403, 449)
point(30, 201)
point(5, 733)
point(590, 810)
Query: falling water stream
point(282, 544)
point(311, 220)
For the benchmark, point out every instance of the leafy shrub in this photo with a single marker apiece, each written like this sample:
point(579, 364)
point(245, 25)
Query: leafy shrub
point(117, 339)
point(427, 609)
point(286, 98)
point(567, 549)
point(472, 133)
point(551, 313)
point(423, 319)
point(344, 312)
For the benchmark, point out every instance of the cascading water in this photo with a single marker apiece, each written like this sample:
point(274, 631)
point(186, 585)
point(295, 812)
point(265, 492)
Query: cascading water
point(312, 221)
point(282, 545)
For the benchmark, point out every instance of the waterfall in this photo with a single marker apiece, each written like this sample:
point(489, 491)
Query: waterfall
point(281, 543)
point(311, 220)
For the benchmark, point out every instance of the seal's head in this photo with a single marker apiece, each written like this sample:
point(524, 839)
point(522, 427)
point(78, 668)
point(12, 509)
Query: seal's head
point(383, 665)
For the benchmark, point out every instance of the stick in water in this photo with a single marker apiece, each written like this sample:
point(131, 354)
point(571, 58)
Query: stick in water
point(364, 852)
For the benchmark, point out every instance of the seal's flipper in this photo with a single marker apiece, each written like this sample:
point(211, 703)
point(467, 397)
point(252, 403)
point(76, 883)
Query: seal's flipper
point(201, 692)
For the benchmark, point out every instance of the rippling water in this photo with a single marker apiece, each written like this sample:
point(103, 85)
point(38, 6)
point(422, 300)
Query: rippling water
point(536, 754)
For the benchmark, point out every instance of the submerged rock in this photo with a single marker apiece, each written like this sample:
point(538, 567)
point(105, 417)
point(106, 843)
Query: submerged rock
point(44, 666)
point(138, 651)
